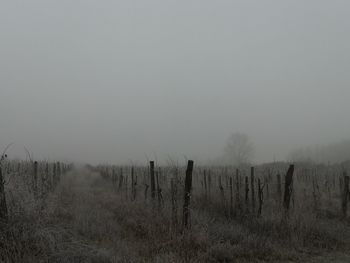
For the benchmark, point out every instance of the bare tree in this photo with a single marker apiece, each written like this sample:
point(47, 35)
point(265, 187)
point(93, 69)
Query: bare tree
point(239, 149)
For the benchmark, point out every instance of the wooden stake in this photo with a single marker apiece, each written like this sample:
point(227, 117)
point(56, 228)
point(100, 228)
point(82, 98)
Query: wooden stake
point(187, 195)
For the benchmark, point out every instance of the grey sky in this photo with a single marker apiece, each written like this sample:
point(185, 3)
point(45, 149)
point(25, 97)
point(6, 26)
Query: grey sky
point(116, 80)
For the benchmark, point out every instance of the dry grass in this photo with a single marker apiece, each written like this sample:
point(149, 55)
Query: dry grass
point(87, 220)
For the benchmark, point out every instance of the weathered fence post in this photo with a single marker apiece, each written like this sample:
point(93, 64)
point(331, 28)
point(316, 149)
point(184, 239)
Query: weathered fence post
point(345, 195)
point(223, 199)
point(153, 183)
point(246, 191)
point(3, 205)
point(252, 187)
point(133, 184)
point(159, 190)
point(260, 196)
point(288, 187)
point(187, 194)
point(35, 179)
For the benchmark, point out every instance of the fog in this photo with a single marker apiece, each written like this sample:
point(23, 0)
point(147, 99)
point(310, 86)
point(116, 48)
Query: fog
point(114, 81)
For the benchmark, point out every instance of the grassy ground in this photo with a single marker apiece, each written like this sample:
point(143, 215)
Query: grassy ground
point(86, 220)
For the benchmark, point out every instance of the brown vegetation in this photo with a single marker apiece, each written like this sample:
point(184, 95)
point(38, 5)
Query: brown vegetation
point(104, 214)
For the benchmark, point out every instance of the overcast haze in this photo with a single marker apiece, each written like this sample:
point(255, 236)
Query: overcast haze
point(109, 81)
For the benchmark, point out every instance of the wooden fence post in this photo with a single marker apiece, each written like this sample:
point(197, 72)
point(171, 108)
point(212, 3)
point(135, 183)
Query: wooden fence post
point(288, 187)
point(35, 179)
point(153, 183)
point(187, 194)
point(223, 199)
point(159, 190)
point(252, 187)
point(260, 196)
point(133, 185)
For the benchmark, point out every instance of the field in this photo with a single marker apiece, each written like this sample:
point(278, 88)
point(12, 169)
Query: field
point(277, 212)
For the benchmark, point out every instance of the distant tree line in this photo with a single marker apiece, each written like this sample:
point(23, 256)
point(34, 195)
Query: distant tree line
point(333, 153)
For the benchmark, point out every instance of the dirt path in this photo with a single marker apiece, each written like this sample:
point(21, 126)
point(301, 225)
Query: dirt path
point(83, 210)
point(98, 225)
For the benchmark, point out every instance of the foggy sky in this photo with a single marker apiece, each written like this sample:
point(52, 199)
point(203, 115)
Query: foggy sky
point(113, 81)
